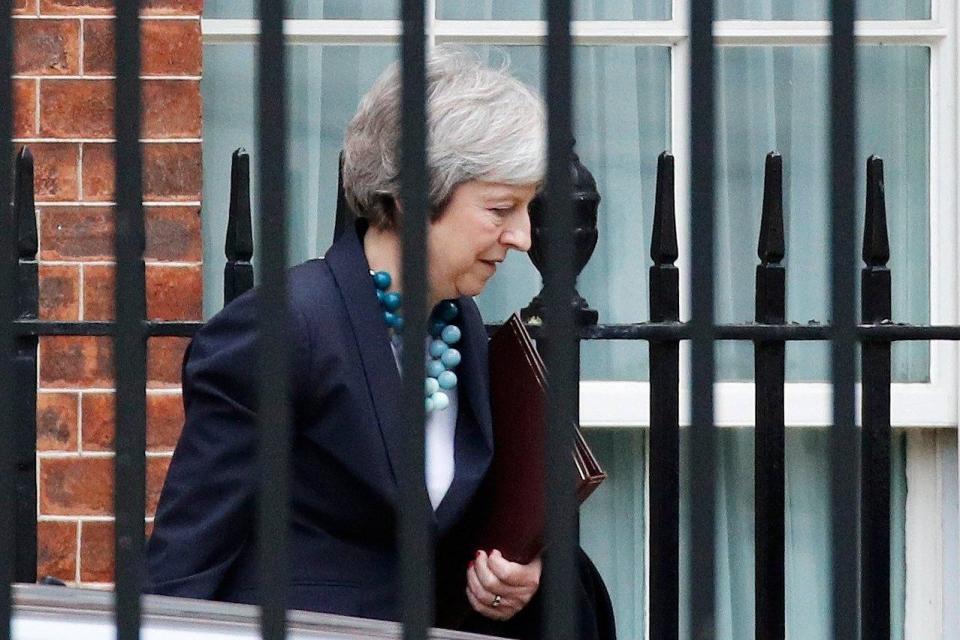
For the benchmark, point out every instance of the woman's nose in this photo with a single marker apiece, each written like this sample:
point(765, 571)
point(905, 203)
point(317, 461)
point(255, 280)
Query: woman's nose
point(517, 236)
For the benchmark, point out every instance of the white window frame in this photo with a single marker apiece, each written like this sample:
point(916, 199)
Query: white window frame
point(626, 404)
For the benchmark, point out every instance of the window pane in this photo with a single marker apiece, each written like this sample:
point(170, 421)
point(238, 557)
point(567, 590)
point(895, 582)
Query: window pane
point(776, 98)
point(622, 123)
point(304, 9)
point(807, 536)
point(612, 530)
point(820, 10)
point(325, 85)
point(619, 135)
point(531, 10)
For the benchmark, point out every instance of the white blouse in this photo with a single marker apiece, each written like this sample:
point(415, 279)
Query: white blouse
point(441, 429)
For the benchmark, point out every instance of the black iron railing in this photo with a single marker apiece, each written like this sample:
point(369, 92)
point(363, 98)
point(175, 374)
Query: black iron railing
point(559, 334)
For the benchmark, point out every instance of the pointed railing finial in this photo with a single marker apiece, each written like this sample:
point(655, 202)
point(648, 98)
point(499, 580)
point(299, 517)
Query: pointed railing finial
point(24, 206)
point(876, 243)
point(663, 243)
point(770, 246)
point(239, 244)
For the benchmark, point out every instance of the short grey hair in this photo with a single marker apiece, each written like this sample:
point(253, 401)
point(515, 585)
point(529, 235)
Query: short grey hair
point(483, 124)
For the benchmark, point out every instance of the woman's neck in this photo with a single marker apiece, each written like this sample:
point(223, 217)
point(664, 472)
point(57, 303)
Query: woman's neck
point(384, 252)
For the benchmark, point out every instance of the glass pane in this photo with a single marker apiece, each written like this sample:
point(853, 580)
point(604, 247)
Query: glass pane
point(622, 122)
point(619, 135)
point(306, 9)
point(807, 534)
point(776, 98)
point(531, 10)
point(820, 10)
point(325, 85)
point(612, 530)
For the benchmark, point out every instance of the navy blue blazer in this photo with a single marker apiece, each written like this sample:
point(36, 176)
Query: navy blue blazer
point(345, 391)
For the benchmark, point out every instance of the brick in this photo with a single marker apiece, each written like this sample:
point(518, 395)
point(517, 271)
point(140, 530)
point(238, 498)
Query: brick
point(46, 47)
point(76, 108)
point(24, 6)
point(96, 552)
point(164, 357)
point(173, 293)
point(98, 284)
point(84, 109)
point(76, 362)
point(164, 421)
point(24, 108)
point(171, 109)
point(169, 47)
point(172, 171)
point(55, 170)
point(57, 421)
point(98, 172)
point(173, 7)
point(84, 485)
point(76, 233)
point(76, 486)
point(173, 234)
point(157, 467)
point(59, 292)
point(99, 421)
point(57, 550)
point(76, 7)
point(105, 7)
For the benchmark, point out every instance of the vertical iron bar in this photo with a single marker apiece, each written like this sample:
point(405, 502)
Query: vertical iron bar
point(238, 272)
point(702, 437)
point(664, 582)
point(130, 341)
point(769, 367)
point(559, 291)
point(843, 449)
point(28, 301)
point(8, 275)
point(273, 411)
point(416, 544)
point(875, 437)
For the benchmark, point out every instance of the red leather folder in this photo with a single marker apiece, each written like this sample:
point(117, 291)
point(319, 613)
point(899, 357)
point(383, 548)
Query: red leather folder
point(514, 522)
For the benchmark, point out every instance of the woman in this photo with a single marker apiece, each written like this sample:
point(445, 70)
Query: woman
point(486, 162)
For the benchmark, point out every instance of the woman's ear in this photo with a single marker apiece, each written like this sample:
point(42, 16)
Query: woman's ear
point(389, 207)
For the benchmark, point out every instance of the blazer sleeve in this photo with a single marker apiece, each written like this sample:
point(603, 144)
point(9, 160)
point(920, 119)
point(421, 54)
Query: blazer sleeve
point(206, 508)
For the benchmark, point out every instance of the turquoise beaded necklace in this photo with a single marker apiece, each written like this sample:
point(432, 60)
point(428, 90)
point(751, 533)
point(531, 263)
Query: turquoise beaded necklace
point(443, 357)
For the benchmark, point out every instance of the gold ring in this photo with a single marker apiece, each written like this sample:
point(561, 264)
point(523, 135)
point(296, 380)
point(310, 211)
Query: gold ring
point(496, 602)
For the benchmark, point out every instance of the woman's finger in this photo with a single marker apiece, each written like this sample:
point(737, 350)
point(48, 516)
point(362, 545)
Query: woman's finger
point(501, 612)
point(513, 573)
point(490, 581)
point(483, 594)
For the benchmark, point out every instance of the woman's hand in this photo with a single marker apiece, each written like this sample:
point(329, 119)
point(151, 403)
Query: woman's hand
point(498, 588)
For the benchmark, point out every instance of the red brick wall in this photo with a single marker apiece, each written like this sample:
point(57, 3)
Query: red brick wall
point(64, 112)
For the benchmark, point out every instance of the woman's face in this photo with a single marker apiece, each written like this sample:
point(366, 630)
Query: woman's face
point(481, 222)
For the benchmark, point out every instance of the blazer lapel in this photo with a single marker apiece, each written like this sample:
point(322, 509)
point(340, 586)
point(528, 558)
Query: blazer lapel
point(474, 369)
point(473, 444)
point(352, 273)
